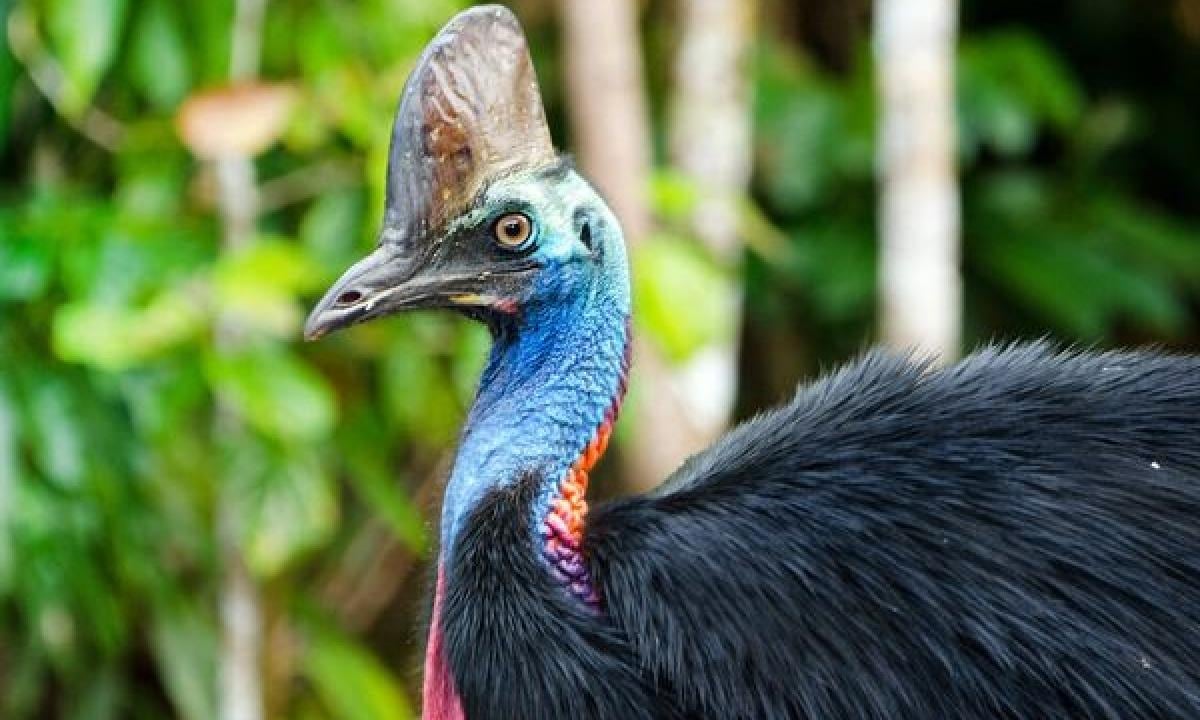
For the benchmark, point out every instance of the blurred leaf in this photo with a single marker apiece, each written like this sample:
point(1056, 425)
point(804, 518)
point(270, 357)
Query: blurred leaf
point(8, 75)
point(25, 263)
point(835, 264)
point(119, 263)
point(673, 195)
point(286, 503)
point(9, 477)
point(381, 492)
point(164, 396)
point(379, 487)
point(55, 429)
point(418, 397)
point(472, 342)
point(331, 231)
point(151, 189)
point(1149, 238)
point(210, 22)
point(1079, 289)
point(160, 66)
point(259, 286)
point(100, 698)
point(671, 274)
point(86, 35)
point(1009, 85)
point(275, 392)
point(351, 682)
point(185, 649)
point(115, 338)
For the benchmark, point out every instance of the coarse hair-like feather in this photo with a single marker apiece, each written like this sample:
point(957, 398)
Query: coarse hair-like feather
point(1014, 536)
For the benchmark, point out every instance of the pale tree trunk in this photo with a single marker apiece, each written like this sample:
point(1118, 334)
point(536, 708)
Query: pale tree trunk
point(710, 142)
point(920, 286)
point(611, 131)
point(239, 691)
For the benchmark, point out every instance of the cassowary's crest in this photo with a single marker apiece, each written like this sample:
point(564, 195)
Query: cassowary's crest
point(471, 111)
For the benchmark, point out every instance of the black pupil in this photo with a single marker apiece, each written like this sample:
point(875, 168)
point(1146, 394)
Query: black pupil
point(512, 229)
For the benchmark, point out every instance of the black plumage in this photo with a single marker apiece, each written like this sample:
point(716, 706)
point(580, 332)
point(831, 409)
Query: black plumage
point(1015, 536)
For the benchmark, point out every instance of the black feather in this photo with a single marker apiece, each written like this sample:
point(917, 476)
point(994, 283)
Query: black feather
point(1017, 536)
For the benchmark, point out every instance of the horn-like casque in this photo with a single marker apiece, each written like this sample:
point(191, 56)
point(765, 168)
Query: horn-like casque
point(471, 111)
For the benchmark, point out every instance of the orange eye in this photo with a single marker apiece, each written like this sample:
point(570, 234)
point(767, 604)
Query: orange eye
point(512, 230)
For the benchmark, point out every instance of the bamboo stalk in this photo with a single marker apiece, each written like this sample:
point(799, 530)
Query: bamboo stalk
point(240, 690)
point(919, 282)
point(710, 142)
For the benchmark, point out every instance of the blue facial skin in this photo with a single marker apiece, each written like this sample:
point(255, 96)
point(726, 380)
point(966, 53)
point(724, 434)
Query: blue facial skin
point(552, 375)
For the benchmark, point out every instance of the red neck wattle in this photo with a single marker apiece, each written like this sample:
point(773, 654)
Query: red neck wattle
point(440, 700)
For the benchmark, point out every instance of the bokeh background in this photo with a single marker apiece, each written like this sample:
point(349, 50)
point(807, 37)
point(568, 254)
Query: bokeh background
point(201, 517)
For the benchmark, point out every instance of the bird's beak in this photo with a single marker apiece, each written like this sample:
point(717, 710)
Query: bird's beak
point(388, 281)
point(381, 283)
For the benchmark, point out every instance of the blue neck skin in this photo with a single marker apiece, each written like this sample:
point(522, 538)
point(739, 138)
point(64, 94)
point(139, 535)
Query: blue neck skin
point(545, 390)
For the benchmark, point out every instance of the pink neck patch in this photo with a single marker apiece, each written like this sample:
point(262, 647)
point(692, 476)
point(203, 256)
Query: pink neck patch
point(440, 700)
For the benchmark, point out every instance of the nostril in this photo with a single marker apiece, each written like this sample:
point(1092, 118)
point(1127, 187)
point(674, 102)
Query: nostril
point(349, 297)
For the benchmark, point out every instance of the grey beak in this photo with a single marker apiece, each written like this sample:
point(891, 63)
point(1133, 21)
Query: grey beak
point(373, 286)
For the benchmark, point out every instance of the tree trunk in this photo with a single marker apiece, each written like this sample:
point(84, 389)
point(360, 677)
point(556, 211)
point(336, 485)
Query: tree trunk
point(710, 141)
point(920, 286)
point(611, 131)
point(239, 691)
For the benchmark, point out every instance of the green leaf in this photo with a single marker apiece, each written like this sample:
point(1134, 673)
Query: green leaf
point(331, 230)
point(86, 35)
point(286, 503)
point(835, 264)
point(259, 287)
point(54, 426)
point(8, 75)
point(682, 298)
point(418, 396)
point(9, 477)
point(351, 682)
point(674, 195)
point(184, 646)
point(25, 263)
point(1010, 85)
point(471, 346)
point(380, 488)
point(114, 337)
point(275, 392)
point(99, 698)
point(160, 67)
point(1076, 287)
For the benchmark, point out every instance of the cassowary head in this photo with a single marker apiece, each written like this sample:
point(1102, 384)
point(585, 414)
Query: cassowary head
point(481, 215)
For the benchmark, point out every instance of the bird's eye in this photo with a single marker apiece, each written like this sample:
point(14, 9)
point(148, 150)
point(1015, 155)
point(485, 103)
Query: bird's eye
point(512, 230)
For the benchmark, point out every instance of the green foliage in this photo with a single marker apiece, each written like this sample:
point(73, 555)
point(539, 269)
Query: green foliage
point(85, 35)
point(1048, 237)
point(125, 424)
point(352, 684)
point(672, 273)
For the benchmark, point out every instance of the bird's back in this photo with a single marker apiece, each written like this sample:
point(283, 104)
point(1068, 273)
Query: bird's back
point(1016, 536)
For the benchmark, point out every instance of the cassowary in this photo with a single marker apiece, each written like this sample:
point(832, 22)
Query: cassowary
point(1016, 536)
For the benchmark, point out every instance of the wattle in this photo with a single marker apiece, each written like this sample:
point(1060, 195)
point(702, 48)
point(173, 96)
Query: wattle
point(440, 699)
